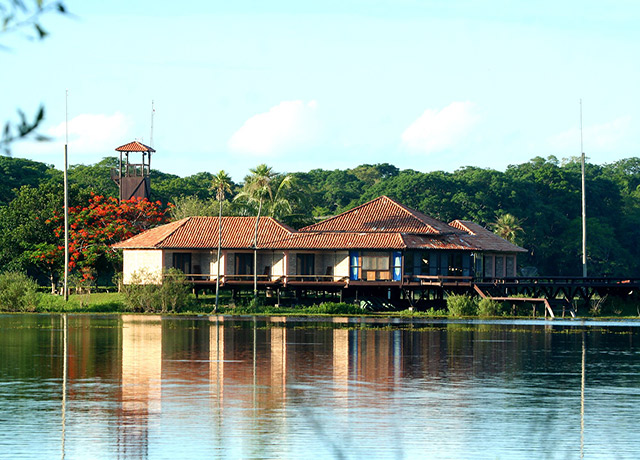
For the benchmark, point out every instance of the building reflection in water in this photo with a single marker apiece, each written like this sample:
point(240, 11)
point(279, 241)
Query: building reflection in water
point(141, 382)
point(239, 376)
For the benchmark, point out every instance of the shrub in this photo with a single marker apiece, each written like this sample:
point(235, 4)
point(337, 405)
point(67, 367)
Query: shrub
point(147, 293)
point(173, 293)
point(335, 308)
point(461, 305)
point(18, 292)
point(488, 307)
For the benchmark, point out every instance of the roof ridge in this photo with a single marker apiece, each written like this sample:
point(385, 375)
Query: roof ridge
point(413, 212)
point(178, 227)
point(348, 211)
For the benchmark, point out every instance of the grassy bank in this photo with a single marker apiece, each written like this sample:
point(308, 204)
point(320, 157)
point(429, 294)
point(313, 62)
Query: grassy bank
point(103, 302)
point(20, 294)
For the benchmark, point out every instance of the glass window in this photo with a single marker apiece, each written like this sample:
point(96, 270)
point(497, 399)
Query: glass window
point(488, 266)
point(499, 266)
point(372, 261)
point(511, 269)
point(455, 264)
point(408, 263)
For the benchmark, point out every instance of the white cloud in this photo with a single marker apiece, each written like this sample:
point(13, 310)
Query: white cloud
point(95, 133)
point(287, 126)
point(610, 136)
point(437, 130)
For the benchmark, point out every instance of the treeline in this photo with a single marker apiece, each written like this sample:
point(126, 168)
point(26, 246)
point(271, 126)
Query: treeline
point(543, 194)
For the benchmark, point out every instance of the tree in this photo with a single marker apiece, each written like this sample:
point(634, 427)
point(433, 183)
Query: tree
point(188, 206)
point(257, 189)
point(507, 226)
point(95, 227)
point(221, 184)
point(48, 258)
point(25, 223)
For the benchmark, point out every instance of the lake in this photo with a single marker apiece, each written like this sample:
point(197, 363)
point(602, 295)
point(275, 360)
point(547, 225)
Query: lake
point(126, 386)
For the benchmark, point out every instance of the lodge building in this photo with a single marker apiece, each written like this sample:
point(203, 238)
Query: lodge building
point(381, 244)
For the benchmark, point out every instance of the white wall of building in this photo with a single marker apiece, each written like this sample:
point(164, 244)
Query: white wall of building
point(144, 264)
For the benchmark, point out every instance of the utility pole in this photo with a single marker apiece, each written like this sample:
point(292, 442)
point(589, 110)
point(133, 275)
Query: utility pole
point(66, 199)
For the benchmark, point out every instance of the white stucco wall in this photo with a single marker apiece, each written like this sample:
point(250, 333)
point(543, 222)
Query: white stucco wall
point(277, 267)
point(146, 263)
point(341, 264)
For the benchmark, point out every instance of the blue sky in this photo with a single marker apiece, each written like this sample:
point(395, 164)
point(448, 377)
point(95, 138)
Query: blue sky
point(428, 85)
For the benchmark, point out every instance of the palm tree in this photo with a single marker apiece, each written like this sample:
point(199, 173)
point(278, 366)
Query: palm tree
point(221, 184)
point(279, 205)
point(508, 227)
point(257, 188)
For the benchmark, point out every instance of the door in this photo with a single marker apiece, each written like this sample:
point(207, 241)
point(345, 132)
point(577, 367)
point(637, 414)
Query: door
point(182, 261)
point(244, 263)
point(305, 265)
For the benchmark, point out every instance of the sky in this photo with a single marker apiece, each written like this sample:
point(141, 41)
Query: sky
point(426, 85)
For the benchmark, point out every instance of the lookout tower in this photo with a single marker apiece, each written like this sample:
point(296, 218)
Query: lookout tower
point(133, 178)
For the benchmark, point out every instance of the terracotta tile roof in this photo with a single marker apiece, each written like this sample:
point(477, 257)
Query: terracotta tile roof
point(135, 146)
point(452, 242)
point(382, 215)
point(485, 239)
point(397, 227)
point(150, 238)
point(202, 233)
point(339, 240)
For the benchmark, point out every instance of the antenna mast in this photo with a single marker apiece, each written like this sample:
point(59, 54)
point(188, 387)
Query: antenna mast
point(584, 204)
point(153, 112)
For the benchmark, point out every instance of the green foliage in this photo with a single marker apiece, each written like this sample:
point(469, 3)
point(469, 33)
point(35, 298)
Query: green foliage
point(18, 292)
point(335, 308)
point(25, 224)
point(461, 305)
point(188, 206)
point(509, 227)
point(150, 294)
point(488, 307)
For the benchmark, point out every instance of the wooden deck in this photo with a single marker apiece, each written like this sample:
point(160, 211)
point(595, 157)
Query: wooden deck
point(555, 294)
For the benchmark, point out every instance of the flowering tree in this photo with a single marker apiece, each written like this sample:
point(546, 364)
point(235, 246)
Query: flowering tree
point(94, 228)
point(49, 258)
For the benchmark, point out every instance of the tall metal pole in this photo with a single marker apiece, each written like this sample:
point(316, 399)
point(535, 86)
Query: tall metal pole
point(584, 205)
point(153, 111)
point(66, 199)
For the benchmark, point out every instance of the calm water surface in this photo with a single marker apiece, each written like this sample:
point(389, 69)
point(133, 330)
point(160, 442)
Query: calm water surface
point(152, 387)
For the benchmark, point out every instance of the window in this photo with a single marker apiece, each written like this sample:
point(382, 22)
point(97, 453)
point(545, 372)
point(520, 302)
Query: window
point(499, 266)
point(372, 261)
point(511, 266)
point(455, 264)
point(416, 263)
point(488, 266)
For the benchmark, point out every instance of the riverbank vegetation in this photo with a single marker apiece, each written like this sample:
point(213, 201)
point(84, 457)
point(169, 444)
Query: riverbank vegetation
point(18, 293)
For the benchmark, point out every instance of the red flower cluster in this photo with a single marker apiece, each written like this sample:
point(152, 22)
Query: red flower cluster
point(94, 228)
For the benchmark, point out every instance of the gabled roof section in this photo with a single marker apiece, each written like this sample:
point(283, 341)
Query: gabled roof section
point(150, 239)
point(135, 146)
point(382, 215)
point(484, 239)
point(202, 233)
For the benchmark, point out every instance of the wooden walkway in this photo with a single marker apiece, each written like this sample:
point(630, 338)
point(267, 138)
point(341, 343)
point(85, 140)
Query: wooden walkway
point(556, 294)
